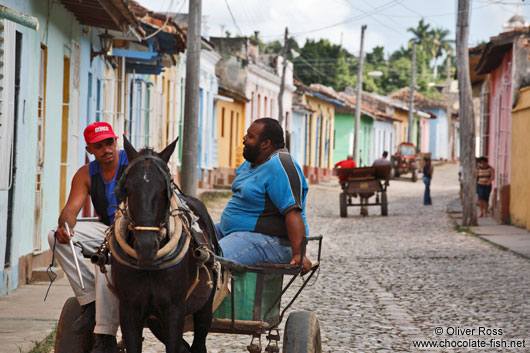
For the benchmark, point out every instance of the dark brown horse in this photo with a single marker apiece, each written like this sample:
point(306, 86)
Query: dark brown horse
point(158, 279)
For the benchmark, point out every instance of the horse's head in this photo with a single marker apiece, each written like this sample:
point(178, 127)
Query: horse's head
point(146, 187)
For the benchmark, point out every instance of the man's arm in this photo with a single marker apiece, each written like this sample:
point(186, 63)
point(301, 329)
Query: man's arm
point(296, 233)
point(76, 200)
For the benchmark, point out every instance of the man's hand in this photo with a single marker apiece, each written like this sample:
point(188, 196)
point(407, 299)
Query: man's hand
point(296, 232)
point(62, 235)
point(306, 266)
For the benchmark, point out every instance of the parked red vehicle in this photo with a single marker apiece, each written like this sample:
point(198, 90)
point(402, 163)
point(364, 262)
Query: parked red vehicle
point(404, 161)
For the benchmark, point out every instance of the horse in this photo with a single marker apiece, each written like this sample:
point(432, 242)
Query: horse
point(162, 255)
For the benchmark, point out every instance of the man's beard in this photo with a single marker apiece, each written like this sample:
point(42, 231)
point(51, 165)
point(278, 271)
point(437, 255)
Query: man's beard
point(251, 153)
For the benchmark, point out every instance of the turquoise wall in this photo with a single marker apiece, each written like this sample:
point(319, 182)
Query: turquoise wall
point(344, 126)
point(56, 30)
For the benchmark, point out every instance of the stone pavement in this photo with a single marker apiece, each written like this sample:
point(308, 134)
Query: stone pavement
point(25, 318)
point(506, 236)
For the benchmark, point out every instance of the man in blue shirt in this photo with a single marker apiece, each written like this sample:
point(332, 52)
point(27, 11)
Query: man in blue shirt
point(264, 222)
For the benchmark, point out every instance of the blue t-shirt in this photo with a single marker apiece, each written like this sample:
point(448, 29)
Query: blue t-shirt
point(97, 181)
point(264, 194)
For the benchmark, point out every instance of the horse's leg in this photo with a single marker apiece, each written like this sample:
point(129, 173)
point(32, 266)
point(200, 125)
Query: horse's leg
point(131, 328)
point(202, 321)
point(174, 328)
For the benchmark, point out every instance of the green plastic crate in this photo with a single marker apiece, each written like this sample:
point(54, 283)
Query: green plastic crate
point(245, 298)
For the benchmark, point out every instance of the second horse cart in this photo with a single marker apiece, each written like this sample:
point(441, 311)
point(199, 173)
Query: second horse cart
point(361, 184)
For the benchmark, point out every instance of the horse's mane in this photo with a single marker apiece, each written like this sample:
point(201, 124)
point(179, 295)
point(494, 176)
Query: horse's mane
point(145, 150)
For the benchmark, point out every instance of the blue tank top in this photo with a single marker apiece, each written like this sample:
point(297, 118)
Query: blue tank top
point(102, 193)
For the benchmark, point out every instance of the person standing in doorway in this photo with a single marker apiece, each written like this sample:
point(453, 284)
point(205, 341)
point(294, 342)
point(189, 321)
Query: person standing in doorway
point(485, 176)
point(427, 177)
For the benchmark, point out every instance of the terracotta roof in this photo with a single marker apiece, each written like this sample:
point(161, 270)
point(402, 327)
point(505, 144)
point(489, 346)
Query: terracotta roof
point(156, 21)
point(420, 100)
point(493, 53)
point(474, 59)
point(365, 108)
point(107, 14)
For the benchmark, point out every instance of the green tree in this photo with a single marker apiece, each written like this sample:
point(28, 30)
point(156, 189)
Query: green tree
point(422, 33)
point(376, 57)
point(325, 63)
point(441, 45)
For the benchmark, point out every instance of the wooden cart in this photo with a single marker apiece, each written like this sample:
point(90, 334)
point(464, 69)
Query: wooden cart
point(363, 183)
point(252, 308)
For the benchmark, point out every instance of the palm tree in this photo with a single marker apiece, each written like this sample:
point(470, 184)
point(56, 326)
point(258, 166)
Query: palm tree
point(422, 34)
point(440, 45)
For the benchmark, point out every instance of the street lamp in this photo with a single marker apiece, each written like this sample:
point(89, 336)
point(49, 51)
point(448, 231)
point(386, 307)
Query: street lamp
point(105, 42)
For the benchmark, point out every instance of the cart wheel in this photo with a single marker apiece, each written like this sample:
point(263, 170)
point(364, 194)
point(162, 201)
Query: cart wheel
point(66, 340)
point(343, 205)
point(414, 176)
point(384, 204)
point(302, 333)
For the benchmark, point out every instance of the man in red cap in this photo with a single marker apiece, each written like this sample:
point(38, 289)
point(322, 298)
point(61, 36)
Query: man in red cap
point(97, 180)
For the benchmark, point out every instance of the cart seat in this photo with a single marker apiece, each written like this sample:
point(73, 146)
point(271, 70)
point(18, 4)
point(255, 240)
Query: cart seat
point(284, 269)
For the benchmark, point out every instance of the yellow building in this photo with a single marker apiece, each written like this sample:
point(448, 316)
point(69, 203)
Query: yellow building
point(230, 132)
point(400, 126)
point(519, 167)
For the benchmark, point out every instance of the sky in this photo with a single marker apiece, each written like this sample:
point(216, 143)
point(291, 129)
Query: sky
point(340, 21)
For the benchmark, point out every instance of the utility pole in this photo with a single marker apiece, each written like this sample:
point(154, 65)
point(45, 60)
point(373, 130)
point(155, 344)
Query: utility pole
point(190, 129)
point(467, 124)
point(282, 84)
point(448, 108)
point(358, 100)
point(412, 88)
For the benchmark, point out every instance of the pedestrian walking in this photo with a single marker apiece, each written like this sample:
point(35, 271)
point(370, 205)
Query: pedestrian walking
point(427, 177)
point(485, 176)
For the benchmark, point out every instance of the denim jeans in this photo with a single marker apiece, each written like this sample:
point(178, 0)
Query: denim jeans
point(427, 195)
point(250, 248)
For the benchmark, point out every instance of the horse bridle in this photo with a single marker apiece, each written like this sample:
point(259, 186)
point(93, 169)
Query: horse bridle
point(121, 196)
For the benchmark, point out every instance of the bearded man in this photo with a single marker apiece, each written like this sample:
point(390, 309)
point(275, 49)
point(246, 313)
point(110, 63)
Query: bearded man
point(265, 222)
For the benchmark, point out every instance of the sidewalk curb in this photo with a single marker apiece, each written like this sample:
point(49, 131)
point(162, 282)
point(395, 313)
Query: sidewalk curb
point(469, 231)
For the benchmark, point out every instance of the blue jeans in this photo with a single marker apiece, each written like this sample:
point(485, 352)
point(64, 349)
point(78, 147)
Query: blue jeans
point(427, 195)
point(249, 248)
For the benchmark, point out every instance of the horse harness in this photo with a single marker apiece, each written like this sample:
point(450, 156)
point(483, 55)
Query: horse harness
point(180, 217)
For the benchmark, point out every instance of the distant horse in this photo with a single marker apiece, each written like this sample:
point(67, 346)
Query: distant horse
point(161, 255)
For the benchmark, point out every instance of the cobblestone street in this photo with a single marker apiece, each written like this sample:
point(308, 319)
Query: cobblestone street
point(386, 281)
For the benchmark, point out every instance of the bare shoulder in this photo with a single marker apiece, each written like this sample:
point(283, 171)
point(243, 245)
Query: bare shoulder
point(82, 177)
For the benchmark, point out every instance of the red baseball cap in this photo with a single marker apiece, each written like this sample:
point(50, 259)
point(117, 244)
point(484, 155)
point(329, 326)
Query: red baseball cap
point(98, 131)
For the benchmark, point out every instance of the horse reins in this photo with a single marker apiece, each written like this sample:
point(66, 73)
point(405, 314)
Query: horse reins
point(121, 197)
point(177, 214)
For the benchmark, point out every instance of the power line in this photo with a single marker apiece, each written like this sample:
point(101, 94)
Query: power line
point(433, 15)
point(350, 19)
point(418, 13)
point(504, 2)
point(233, 18)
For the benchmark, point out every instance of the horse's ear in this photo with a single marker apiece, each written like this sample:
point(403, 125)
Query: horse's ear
point(168, 151)
point(129, 149)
